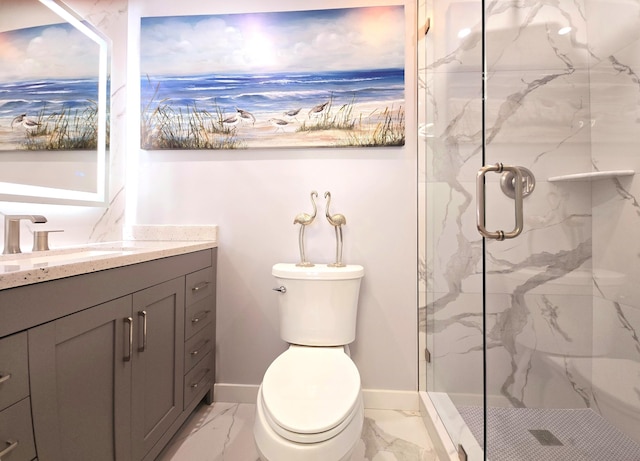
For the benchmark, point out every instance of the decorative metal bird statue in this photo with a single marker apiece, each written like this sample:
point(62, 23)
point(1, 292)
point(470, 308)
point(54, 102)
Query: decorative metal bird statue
point(304, 219)
point(337, 221)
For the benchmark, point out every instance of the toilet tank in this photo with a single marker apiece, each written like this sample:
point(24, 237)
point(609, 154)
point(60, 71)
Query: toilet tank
point(320, 304)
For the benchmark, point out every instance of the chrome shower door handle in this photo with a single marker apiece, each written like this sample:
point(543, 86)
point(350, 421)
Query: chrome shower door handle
point(481, 202)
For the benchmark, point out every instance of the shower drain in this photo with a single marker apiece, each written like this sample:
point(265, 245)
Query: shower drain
point(545, 437)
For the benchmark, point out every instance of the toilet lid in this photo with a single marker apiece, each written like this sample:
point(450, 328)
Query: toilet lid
point(311, 389)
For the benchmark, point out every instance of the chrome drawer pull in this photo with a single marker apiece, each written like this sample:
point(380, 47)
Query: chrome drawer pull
point(198, 348)
point(200, 286)
point(200, 316)
point(5, 378)
point(11, 445)
point(196, 384)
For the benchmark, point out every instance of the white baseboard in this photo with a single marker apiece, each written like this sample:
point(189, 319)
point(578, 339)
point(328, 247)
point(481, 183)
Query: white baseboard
point(382, 399)
point(235, 393)
point(379, 399)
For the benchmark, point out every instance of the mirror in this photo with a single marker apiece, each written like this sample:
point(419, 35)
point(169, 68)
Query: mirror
point(54, 71)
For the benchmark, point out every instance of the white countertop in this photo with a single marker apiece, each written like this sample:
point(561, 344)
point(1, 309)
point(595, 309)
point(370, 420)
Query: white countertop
point(34, 267)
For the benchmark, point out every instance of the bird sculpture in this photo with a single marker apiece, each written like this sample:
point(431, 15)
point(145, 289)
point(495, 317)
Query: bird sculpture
point(337, 221)
point(25, 122)
point(304, 219)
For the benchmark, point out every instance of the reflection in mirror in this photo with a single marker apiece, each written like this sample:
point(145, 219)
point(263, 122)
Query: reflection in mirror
point(53, 105)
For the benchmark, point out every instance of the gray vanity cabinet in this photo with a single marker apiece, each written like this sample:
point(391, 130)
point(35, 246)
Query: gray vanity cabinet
point(107, 375)
point(157, 362)
point(81, 386)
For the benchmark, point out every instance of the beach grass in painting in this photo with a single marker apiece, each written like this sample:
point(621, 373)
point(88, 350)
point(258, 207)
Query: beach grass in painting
point(274, 81)
point(65, 130)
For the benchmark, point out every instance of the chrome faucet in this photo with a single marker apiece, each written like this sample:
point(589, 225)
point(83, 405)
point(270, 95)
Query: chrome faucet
point(12, 231)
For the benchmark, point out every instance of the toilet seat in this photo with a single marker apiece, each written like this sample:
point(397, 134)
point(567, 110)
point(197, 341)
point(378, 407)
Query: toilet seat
point(309, 394)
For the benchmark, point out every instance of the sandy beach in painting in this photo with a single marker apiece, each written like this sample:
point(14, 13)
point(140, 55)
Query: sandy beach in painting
point(360, 127)
point(266, 133)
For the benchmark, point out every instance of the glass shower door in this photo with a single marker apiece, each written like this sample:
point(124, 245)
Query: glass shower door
point(552, 312)
point(533, 349)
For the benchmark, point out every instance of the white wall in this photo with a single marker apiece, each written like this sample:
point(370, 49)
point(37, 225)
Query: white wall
point(253, 196)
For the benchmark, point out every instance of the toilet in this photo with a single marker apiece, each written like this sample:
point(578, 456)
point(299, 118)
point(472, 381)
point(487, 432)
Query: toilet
point(309, 405)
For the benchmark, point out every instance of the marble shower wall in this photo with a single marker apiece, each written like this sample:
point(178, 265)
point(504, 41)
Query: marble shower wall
point(562, 298)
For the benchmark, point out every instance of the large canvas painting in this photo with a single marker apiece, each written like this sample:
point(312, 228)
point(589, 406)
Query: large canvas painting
point(49, 89)
point(321, 78)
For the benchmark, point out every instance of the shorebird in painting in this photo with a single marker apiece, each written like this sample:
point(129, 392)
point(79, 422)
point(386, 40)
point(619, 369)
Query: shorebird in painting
point(230, 121)
point(245, 116)
point(278, 123)
point(317, 111)
point(292, 113)
point(22, 120)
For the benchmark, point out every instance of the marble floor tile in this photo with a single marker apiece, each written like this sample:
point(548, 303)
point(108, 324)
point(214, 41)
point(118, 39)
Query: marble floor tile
point(224, 432)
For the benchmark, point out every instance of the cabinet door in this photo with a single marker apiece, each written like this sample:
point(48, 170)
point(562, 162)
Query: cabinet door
point(158, 362)
point(81, 385)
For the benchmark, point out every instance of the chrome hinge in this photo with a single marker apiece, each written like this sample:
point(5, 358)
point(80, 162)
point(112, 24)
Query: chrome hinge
point(427, 355)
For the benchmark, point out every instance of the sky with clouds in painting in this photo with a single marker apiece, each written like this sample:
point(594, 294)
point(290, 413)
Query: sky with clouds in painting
point(54, 51)
point(303, 41)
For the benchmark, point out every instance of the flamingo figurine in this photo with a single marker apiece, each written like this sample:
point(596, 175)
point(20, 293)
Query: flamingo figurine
point(304, 219)
point(337, 221)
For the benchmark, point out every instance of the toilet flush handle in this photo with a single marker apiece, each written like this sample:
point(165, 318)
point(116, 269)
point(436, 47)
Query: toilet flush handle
point(281, 289)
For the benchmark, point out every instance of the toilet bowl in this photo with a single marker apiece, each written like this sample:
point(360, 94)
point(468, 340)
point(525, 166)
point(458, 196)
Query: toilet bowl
point(309, 405)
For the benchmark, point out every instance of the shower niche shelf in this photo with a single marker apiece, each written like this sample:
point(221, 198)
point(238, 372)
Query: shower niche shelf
point(591, 176)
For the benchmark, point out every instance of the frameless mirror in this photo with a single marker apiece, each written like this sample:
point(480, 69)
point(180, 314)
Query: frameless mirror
point(54, 72)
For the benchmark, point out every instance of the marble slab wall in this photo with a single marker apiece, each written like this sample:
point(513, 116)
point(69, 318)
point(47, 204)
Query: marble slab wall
point(561, 299)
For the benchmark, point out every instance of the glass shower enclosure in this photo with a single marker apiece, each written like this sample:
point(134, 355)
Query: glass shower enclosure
point(530, 323)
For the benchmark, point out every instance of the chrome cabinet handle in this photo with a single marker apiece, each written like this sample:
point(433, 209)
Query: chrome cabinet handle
point(143, 314)
point(199, 347)
point(480, 208)
point(197, 383)
point(200, 286)
point(129, 322)
point(200, 316)
point(11, 445)
point(5, 378)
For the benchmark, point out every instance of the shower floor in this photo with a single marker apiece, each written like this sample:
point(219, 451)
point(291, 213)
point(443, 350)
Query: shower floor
point(535, 434)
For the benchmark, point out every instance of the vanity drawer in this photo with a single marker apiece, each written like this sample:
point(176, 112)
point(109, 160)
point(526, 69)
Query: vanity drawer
point(198, 346)
point(199, 285)
point(14, 378)
point(198, 379)
point(198, 315)
point(15, 428)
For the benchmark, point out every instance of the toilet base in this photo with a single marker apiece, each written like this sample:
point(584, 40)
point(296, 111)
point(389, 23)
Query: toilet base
point(273, 447)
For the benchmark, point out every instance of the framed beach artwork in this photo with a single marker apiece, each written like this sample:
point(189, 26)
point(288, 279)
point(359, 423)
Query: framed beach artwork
point(318, 78)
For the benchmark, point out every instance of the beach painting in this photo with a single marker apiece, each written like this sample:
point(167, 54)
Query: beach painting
point(48, 89)
point(318, 78)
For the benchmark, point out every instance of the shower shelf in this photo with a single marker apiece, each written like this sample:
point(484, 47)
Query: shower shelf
point(592, 176)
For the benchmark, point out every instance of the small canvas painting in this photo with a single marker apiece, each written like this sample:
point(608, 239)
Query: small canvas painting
point(320, 78)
